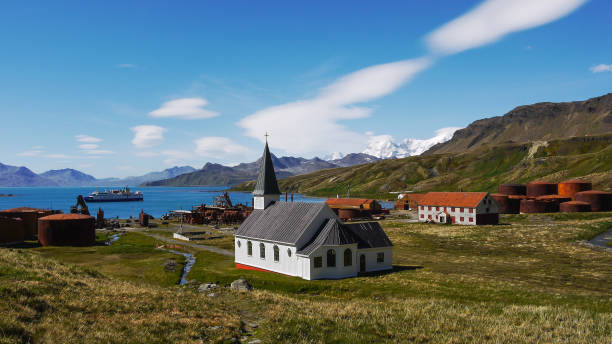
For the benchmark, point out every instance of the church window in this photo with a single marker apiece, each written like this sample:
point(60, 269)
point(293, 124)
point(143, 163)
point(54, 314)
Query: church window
point(276, 254)
point(348, 257)
point(249, 248)
point(262, 251)
point(289, 252)
point(331, 258)
point(380, 257)
point(238, 241)
point(318, 262)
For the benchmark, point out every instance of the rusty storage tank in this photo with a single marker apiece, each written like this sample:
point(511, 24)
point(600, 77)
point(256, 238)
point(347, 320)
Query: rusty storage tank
point(30, 219)
point(569, 187)
point(505, 204)
point(67, 230)
point(536, 189)
point(599, 200)
point(574, 207)
point(11, 230)
point(529, 206)
point(554, 198)
point(512, 189)
point(347, 214)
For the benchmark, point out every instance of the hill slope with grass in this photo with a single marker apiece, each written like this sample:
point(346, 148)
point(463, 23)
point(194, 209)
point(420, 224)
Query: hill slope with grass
point(537, 122)
point(480, 169)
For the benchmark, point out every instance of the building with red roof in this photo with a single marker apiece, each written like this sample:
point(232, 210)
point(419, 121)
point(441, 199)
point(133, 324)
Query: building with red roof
point(463, 208)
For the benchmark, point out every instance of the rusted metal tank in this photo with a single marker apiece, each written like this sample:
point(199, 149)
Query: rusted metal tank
point(347, 214)
point(536, 189)
point(529, 206)
point(599, 200)
point(11, 230)
point(512, 189)
point(554, 198)
point(574, 207)
point(67, 230)
point(569, 188)
point(29, 217)
point(506, 205)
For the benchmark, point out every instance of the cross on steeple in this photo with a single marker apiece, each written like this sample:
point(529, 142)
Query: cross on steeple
point(266, 135)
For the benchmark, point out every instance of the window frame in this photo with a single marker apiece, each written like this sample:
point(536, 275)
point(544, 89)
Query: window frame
point(348, 254)
point(262, 251)
point(276, 253)
point(331, 263)
point(378, 257)
point(317, 262)
point(249, 248)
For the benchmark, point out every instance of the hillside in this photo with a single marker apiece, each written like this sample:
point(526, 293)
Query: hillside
point(479, 169)
point(69, 177)
point(22, 176)
point(537, 122)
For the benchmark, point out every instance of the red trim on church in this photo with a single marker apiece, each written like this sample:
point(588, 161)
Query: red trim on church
point(248, 267)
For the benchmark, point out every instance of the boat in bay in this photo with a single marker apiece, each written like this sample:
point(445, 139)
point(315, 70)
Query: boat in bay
point(121, 195)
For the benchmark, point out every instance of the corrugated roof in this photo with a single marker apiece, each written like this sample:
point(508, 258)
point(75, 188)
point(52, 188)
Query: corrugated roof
point(352, 202)
point(280, 221)
point(453, 199)
point(266, 180)
point(58, 217)
point(332, 233)
point(369, 234)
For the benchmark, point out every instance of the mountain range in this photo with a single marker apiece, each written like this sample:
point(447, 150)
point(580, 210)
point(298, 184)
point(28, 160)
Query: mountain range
point(219, 175)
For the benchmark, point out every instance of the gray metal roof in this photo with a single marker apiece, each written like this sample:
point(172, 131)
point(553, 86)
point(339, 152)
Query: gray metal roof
point(280, 221)
point(332, 233)
point(370, 234)
point(266, 180)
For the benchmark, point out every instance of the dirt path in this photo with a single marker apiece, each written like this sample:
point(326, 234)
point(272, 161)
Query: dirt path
point(190, 244)
point(602, 240)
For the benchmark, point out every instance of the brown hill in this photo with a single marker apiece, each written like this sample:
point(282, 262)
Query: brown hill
point(537, 122)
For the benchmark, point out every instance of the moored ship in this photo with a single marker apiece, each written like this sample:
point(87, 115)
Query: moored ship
point(123, 195)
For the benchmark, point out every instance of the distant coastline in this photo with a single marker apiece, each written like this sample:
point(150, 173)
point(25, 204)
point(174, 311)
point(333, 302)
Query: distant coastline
point(7, 195)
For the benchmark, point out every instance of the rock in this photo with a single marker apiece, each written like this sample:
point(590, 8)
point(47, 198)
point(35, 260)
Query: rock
point(255, 341)
point(211, 295)
point(170, 265)
point(241, 284)
point(213, 328)
point(206, 287)
point(253, 325)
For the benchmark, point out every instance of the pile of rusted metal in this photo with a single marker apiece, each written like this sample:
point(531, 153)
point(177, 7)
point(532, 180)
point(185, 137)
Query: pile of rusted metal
point(221, 212)
point(349, 209)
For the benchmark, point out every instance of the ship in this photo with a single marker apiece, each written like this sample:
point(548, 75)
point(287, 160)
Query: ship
point(122, 195)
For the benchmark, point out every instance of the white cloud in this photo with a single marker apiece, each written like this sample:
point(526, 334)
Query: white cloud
point(493, 19)
point(33, 152)
point(87, 138)
point(147, 135)
point(185, 108)
point(601, 68)
point(219, 147)
point(146, 154)
point(175, 157)
point(58, 156)
point(89, 146)
point(99, 152)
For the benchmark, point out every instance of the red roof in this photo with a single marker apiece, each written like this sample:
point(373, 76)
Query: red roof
point(453, 199)
point(65, 217)
point(352, 202)
point(21, 210)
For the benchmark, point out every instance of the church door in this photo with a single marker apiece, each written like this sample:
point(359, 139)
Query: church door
point(362, 263)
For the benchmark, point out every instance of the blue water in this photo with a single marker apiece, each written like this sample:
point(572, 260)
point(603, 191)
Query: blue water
point(157, 200)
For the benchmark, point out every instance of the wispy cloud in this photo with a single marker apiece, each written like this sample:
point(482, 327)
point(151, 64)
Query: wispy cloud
point(87, 138)
point(218, 147)
point(313, 125)
point(98, 152)
point(147, 135)
point(175, 157)
point(601, 68)
point(88, 146)
point(33, 152)
point(58, 156)
point(126, 65)
point(493, 19)
point(185, 108)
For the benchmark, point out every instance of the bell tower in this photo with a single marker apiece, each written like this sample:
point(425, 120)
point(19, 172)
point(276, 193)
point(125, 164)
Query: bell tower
point(266, 189)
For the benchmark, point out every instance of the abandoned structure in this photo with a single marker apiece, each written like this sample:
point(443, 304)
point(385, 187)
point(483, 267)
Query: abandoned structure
point(463, 208)
point(305, 239)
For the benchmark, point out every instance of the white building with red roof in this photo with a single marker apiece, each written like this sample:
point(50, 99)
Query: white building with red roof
point(462, 208)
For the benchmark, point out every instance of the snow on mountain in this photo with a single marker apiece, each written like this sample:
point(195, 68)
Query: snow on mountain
point(334, 156)
point(384, 146)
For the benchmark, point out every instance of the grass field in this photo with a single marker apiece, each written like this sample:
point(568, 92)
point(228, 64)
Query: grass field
point(524, 281)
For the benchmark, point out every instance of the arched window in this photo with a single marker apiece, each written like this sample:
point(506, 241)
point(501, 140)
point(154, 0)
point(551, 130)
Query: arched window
point(348, 257)
point(249, 248)
point(331, 258)
point(262, 251)
point(276, 254)
point(238, 242)
point(289, 252)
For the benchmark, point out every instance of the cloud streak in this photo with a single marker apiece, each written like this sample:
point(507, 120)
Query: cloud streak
point(601, 68)
point(146, 136)
point(184, 108)
point(218, 147)
point(87, 139)
point(309, 125)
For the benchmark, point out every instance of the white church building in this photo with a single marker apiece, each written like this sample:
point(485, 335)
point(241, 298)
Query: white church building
point(306, 240)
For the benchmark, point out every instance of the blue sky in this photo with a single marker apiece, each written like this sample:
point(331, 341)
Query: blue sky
point(124, 88)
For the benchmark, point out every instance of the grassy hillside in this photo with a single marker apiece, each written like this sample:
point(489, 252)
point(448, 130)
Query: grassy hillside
point(481, 169)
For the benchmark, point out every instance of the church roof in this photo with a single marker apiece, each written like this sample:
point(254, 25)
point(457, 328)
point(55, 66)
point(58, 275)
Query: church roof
point(266, 180)
point(280, 221)
point(332, 233)
point(369, 234)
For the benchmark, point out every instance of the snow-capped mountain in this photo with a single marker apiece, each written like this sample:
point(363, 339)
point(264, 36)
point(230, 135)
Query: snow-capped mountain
point(384, 147)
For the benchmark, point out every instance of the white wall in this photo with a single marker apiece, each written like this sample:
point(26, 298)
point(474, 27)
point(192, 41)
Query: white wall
point(339, 271)
point(286, 265)
point(486, 206)
point(261, 202)
point(371, 264)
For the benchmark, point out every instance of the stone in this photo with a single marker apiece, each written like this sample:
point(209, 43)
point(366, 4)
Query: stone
point(255, 341)
point(170, 265)
point(206, 287)
point(211, 295)
point(241, 284)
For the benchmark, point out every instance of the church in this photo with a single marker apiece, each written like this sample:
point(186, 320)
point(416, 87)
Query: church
point(304, 239)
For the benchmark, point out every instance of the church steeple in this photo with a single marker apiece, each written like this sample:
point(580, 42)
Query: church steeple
point(266, 189)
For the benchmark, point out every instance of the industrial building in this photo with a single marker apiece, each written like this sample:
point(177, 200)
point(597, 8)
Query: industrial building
point(67, 230)
point(408, 201)
point(307, 240)
point(463, 208)
point(348, 209)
